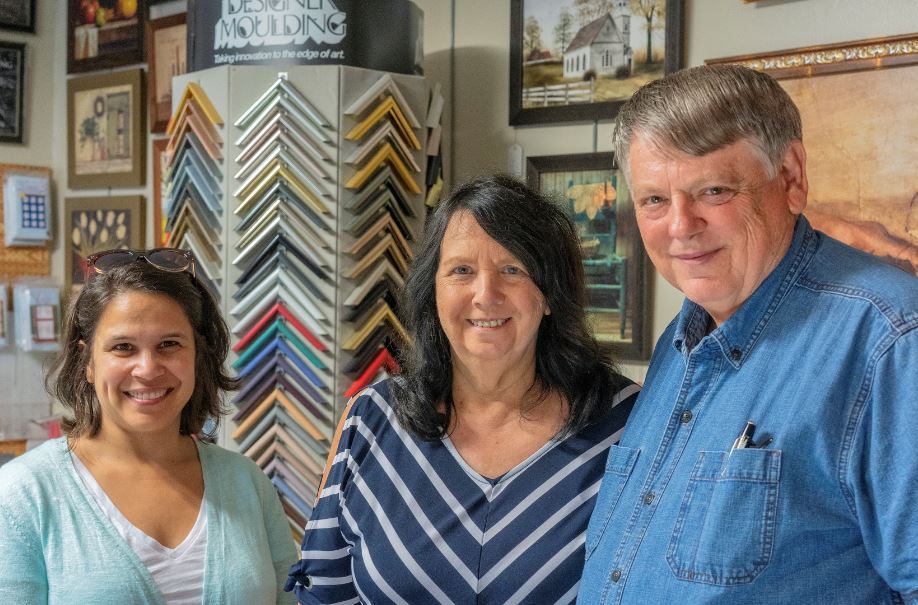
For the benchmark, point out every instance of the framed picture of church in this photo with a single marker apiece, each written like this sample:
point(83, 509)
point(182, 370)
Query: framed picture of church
point(616, 269)
point(580, 60)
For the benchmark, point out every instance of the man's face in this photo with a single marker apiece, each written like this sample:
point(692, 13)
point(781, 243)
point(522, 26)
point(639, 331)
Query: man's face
point(715, 226)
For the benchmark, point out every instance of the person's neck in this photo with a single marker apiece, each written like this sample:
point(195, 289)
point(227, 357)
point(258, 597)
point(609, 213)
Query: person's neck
point(111, 444)
point(493, 396)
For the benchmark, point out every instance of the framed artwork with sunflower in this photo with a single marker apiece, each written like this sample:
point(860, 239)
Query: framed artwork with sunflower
point(616, 269)
point(99, 223)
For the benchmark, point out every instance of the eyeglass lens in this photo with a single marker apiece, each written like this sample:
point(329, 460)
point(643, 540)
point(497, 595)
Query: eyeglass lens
point(165, 259)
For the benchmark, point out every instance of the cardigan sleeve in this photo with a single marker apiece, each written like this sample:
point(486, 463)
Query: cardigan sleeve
point(280, 538)
point(23, 577)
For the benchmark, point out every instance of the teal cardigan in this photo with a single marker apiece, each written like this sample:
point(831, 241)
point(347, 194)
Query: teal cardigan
point(56, 546)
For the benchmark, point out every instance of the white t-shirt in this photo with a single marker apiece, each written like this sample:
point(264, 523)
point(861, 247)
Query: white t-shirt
point(178, 572)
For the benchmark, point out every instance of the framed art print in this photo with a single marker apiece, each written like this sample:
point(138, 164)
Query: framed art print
point(12, 73)
point(859, 130)
point(93, 224)
point(104, 33)
point(615, 265)
point(105, 130)
point(579, 60)
point(18, 15)
point(166, 58)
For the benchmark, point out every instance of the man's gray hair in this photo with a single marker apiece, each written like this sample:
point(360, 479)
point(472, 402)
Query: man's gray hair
point(702, 109)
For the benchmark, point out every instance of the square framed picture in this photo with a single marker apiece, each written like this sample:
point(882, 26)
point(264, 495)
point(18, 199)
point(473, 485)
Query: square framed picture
point(105, 130)
point(104, 33)
point(18, 15)
point(12, 74)
point(94, 224)
point(580, 60)
point(615, 265)
point(167, 53)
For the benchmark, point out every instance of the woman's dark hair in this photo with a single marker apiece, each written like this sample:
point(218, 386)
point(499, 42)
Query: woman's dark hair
point(66, 380)
point(539, 233)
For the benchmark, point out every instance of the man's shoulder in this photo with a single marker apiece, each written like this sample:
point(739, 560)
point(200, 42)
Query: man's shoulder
point(839, 269)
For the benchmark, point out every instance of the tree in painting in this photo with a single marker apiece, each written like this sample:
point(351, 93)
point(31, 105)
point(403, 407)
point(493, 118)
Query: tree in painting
point(590, 10)
point(564, 30)
point(532, 36)
point(654, 14)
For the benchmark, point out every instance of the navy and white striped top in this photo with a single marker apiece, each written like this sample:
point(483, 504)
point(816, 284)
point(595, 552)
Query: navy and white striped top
point(402, 520)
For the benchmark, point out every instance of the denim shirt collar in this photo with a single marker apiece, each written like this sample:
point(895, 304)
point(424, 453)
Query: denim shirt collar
point(736, 337)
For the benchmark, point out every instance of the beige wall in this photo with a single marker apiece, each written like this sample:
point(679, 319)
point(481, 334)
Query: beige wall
point(466, 43)
point(713, 28)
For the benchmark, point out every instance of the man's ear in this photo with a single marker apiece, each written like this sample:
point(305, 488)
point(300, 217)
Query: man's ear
point(793, 173)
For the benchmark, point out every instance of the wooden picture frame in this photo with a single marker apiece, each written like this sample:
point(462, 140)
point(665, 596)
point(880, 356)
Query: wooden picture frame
point(859, 130)
point(159, 213)
point(106, 138)
point(167, 57)
point(93, 224)
point(104, 33)
point(18, 15)
point(12, 80)
point(595, 60)
point(616, 267)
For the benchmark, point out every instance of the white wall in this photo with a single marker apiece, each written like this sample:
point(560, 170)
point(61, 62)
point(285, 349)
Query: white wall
point(713, 28)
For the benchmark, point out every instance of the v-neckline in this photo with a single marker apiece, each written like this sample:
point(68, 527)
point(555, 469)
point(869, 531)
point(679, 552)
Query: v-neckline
point(492, 487)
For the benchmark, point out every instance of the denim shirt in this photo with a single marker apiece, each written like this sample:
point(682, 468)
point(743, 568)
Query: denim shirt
point(823, 358)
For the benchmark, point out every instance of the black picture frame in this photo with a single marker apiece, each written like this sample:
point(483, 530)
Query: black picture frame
point(616, 267)
point(591, 111)
point(12, 76)
point(18, 15)
point(118, 41)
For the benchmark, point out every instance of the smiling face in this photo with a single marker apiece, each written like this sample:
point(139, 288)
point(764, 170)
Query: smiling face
point(715, 226)
point(143, 364)
point(488, 306)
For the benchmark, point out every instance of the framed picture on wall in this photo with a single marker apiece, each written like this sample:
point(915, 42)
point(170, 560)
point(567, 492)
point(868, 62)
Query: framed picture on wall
point(104, 33)
point(579, 60)
point(859, 130)
point(18, 15)
point(12, 74)
point(615, 264)
point(94, 224)
point(105, 130)
point(166, 57)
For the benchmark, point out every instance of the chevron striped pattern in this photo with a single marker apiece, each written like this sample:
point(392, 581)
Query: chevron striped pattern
point(193, 184)
point(406, 521)
point(380, 149)
point(284, 309)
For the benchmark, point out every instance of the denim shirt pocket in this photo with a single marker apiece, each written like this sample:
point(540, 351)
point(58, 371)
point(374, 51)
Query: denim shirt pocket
point(725, 529)
point(618, 468)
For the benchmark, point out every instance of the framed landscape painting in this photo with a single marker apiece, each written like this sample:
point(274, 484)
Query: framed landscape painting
point(579, 60)
point(106, 138)
point(615, 265)
point(860, 134)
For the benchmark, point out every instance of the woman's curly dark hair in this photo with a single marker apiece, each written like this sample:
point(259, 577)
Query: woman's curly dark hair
point(66, 380)
point(569, 361)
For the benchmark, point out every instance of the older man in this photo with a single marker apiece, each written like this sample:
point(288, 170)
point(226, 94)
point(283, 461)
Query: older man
point(771, 457)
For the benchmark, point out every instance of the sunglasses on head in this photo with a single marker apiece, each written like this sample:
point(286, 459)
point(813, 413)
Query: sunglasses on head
point(172, 260)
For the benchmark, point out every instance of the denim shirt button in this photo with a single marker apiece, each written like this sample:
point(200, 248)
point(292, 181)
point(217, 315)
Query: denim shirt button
point(648, 497)
point(686, 417)
point(616, 575)
point(736, 354)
